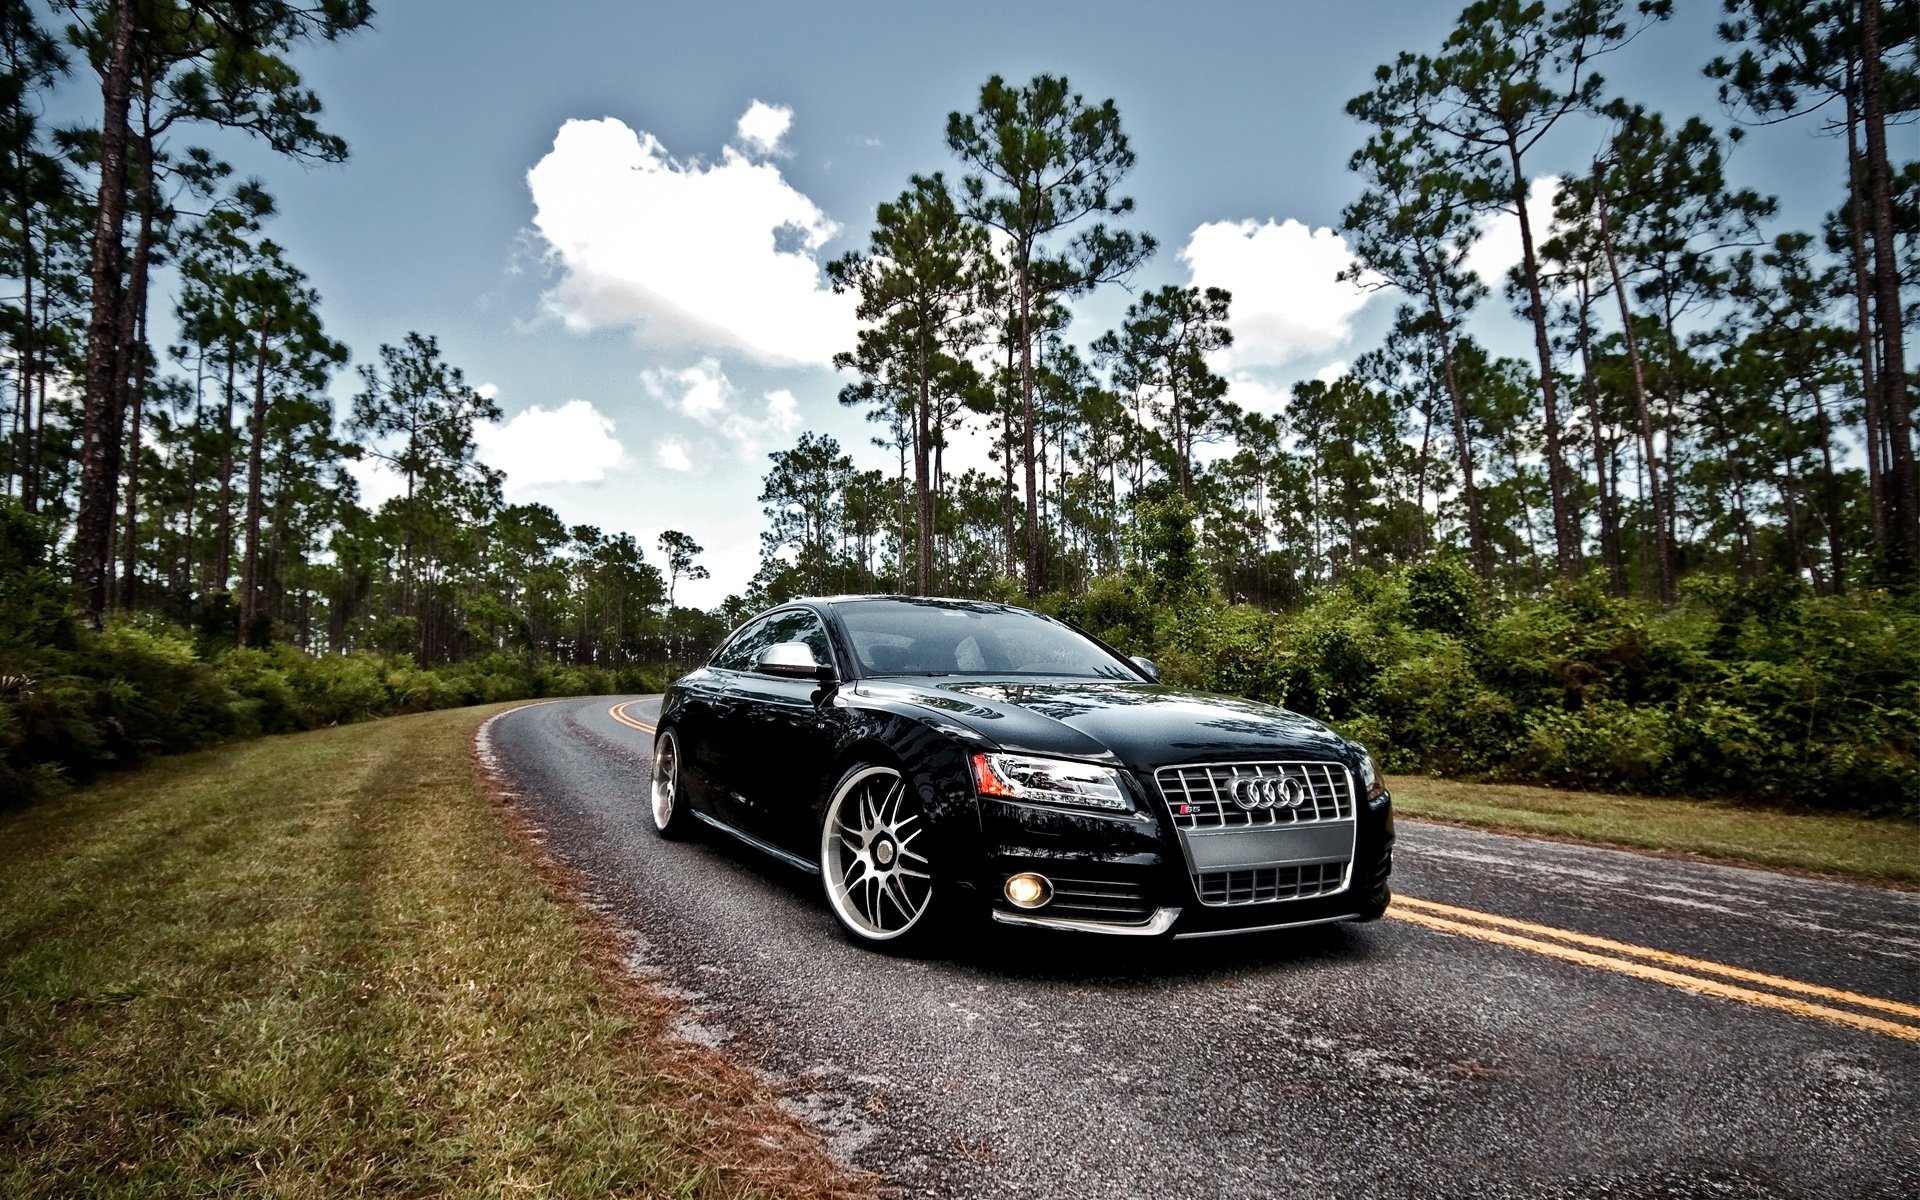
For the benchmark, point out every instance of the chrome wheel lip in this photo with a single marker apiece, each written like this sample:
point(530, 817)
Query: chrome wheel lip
point(864, 891)
point(666, 778)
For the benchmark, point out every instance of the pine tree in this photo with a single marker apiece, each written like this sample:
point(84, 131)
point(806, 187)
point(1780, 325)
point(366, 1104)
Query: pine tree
point(1046, 161)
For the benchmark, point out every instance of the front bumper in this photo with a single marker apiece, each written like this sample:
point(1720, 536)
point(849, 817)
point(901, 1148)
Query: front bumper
point(1128, 875)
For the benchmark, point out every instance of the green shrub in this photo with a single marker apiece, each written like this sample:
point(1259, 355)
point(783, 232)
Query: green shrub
point(1437, 715)
point(1759, 692)
point(1606, 744)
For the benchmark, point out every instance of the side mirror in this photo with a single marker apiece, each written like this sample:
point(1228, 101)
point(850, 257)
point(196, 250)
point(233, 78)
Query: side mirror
point(1146, 667)
point(791, 660)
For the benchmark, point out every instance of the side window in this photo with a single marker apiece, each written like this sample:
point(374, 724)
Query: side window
point(794, 625)
point(737, 655)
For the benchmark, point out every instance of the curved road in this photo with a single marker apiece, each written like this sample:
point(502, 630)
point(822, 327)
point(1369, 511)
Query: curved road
point(1532, 1019)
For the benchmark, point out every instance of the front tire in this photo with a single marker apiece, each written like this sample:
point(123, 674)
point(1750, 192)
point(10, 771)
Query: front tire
point(671, 818)
point(874, 860)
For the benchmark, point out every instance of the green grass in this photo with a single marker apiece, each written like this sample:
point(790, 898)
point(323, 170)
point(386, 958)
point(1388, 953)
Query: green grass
point(1874, 850)
point(322, 965)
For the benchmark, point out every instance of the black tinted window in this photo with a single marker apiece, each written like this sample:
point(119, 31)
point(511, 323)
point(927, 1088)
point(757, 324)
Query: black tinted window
point(794, 625)
point(737, 654)
point(895, 637)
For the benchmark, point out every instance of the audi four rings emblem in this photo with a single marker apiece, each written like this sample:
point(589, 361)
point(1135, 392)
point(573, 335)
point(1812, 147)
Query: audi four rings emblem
point(1269, 793)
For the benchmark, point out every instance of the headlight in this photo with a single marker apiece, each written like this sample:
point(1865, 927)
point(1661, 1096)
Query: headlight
point(1371, 780)
point(1049, 781)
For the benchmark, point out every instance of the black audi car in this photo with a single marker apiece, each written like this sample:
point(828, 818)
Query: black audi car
point(941, 760)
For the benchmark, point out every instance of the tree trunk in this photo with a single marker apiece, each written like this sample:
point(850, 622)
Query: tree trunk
point(1026, 421)
point(100, 447)
point(1462, 440)
point(223, 559)
point(1656, 494)
point(129, 539)
point(1609, 503)
point(1419, 546)
point(277, 555)
point(134, 322)
point(37, 450)
point(1874, 434)
point(22, 431)
point(1006, 461)
point(257, 436)
point(1833, 503)
point(194, 578)
point(1788, 486)
point(1743, 527)
point(1566, 540)
point(1903, 502)
point(1526, 510)
point(922, 481)
point(939, 489)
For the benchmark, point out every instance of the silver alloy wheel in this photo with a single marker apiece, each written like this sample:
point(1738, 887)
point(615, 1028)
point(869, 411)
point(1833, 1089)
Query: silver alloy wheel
point(666, 779)
point(876, 877)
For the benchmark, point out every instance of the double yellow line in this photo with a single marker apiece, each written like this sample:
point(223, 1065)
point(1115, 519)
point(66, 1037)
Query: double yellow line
point(619, 713)
point(1660, 966)
point(1696, 975)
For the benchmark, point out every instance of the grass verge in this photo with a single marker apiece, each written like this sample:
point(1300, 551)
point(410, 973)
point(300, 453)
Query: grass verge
point(321, 965)
point(1862, 848)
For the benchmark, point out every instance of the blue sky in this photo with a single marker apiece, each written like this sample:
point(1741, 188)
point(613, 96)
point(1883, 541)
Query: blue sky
point(568, 197)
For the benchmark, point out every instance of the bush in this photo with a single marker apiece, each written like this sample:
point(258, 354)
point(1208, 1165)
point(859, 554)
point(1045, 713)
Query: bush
point(1606, 744)
point(1760, 692)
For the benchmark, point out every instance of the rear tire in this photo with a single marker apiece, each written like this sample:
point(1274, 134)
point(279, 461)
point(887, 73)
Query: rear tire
point(671, 818)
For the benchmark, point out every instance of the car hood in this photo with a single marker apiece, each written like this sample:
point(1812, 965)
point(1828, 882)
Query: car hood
point(1143, 725)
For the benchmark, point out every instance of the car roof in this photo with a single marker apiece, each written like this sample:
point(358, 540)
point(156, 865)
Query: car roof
point(933, 601)
point(955, 601)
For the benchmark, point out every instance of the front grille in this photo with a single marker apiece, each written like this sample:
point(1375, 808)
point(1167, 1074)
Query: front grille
point(1202, 797)
point(1097, 900)
point(1259, 885)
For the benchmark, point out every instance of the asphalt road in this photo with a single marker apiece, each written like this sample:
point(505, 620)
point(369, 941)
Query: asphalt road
point(1532, 1019)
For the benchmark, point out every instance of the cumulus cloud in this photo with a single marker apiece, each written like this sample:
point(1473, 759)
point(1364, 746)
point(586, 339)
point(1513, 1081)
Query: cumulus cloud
point(1498, 250)
point(573, 443)
point(704, 393)
point(763, 125)
point(378, 481)
point(716, 255)
point(1287, 300)
point(1254, 391)
point(672, 455)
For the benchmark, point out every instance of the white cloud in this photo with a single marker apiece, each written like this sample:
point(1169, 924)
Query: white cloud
point(1332, 372)
point(704, 393)
point(762, 126)
point(1287, 300)
point(378, 482)
point(672, 455)
point(1498, 250)
point(573, 443)
point(1254, 391)
point(719, 255)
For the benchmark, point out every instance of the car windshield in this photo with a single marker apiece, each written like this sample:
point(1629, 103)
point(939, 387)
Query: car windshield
point(908, 637)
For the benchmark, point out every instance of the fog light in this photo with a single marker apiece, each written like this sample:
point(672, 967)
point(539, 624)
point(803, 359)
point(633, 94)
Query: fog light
point(1027, 890)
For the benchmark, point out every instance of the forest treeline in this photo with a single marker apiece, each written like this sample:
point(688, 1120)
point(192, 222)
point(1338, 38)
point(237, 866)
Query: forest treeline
point(1714, 407)
point(1683, 516)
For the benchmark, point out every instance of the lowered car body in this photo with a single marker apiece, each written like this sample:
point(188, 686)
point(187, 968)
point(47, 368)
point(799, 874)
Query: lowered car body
point(944, 759)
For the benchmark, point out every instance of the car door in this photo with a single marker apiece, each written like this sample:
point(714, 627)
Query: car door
point(706, 722)
point(783, 727)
